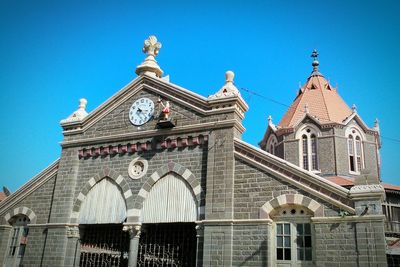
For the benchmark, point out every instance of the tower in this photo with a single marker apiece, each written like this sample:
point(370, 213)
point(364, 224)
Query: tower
point(321, 133)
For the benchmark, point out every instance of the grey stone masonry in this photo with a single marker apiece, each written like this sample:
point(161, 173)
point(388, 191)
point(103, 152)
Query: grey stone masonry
point(4, 238)
point(250, 245)
point(350, 244)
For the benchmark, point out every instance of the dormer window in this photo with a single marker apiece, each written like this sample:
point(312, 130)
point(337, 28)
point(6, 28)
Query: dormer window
point(271, 144)
point(308, 149)
point(354, 148)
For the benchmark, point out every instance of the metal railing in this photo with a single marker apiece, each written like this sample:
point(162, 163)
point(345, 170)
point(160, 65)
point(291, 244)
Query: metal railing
point(392, 227)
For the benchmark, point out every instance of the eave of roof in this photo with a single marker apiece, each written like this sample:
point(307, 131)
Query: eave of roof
point(315, 184)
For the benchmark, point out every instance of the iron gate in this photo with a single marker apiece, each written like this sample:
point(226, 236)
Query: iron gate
point(167, 244)
point(104, 245)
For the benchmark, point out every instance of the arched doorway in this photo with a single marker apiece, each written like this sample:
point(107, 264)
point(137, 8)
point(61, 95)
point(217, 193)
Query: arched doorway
point(168, 236)
point(103, 243)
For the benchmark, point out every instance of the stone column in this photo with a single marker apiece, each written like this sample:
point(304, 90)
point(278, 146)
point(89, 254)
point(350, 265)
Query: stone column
point(4, 236)
point(73, 248)
point(134, 235)
point(199, 245)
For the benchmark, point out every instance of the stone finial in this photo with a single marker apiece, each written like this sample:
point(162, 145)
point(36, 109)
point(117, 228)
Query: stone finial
point(315, 62)
point(376, 125)
point(79, 114)
point(149, 65)
point(82, 104)
point(229, 89)
point(306, 109)
point(270, 120)
point(354, 108)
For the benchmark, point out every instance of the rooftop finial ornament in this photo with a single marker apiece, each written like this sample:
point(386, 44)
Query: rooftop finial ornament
point(229, 89)
point(354, 108)
point(306, 109)
point(149, 65)
point(315, 62)
point(79, 114)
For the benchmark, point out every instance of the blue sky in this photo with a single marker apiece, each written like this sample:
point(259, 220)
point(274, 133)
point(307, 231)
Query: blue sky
point(54, 52)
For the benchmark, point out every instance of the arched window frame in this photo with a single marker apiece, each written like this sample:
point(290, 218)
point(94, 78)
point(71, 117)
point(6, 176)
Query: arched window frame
point(271, 144)
point(308, 148)
point(291, 223)
point(18, 239)
point(355, 151)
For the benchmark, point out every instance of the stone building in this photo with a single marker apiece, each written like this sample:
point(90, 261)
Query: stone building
point(160, 176)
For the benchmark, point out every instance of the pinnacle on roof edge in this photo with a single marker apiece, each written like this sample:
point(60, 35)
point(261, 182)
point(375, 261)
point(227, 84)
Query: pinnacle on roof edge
point(79, 114)
point(228, 89)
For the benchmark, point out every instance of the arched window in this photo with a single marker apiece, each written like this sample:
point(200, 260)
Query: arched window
point(304, 140)
point(271, 144)
point(308, 148)
point(293, 236)
point(355, 152)
point(314, 152)
point(18, 239)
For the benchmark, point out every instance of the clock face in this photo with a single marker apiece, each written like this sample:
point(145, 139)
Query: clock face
point(141, 111)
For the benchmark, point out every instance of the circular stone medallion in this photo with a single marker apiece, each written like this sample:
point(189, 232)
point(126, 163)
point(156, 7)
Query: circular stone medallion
point(137, 168)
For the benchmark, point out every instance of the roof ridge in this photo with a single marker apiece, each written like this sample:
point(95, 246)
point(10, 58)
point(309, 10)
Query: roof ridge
point(295, 108)
point(323, 97)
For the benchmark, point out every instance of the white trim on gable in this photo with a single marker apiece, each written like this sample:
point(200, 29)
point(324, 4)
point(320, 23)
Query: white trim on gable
point(296, 170)
point(30, 186)
point(360, 122)
point(198, 103)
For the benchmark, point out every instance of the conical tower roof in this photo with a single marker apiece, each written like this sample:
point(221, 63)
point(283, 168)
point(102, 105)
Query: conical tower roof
point(317, 98)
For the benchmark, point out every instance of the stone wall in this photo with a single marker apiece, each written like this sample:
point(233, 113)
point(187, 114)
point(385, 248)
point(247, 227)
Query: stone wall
point(350, 244)
point(250, 245)
point(254, 187)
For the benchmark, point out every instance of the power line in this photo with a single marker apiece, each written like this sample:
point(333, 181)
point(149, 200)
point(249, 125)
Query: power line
point(391, 139)
point(285, 105)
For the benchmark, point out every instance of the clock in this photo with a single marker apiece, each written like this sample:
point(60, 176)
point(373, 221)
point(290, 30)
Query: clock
point(141, 111)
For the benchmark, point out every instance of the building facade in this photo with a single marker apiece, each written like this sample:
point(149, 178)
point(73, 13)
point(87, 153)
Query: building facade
point(160, 176)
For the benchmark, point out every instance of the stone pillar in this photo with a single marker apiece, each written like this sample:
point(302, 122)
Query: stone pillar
point(73, 249)
point(4, 236)
point(199, 245)
point(134, 236)
point(369, 229)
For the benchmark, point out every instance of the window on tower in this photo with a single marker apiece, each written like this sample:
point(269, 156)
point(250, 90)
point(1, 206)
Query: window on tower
point(309, 149)
point(355, 151)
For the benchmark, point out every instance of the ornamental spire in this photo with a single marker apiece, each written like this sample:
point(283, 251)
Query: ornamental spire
point(149, 65)
point(315, 64)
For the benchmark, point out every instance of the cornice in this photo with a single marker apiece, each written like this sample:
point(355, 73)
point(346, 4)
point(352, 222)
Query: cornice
point(345, 219)
point(234, 221)
point(121, 149)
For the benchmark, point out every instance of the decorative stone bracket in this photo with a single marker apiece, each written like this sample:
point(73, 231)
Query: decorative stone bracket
point(72, 232)
point(133, 230)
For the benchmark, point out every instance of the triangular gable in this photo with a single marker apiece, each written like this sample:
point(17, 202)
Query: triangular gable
point(307, 115)
point(178, 95)
point(159, 86)
point(270, 130)
point(296, 176)
point(31, 186)
point(359, 121)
